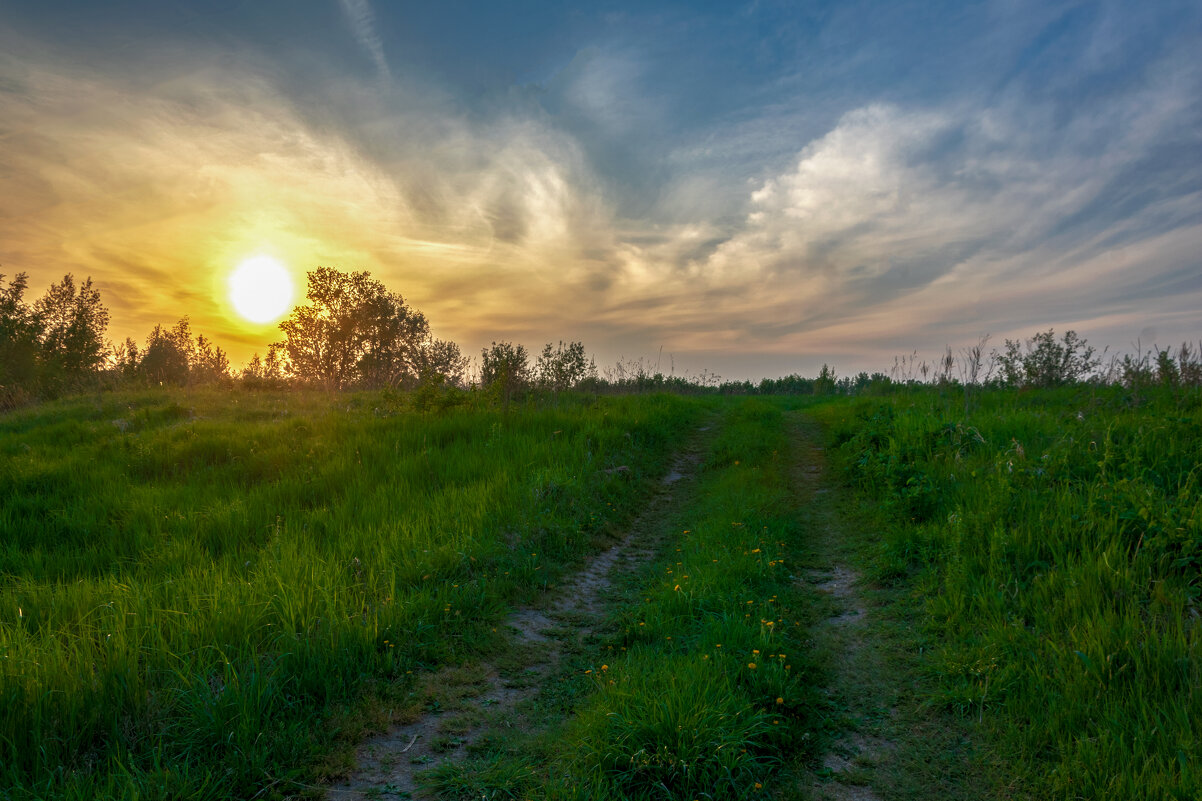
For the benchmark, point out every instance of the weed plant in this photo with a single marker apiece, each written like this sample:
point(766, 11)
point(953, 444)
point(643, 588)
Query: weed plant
point(197, 588)
point(1057, 538)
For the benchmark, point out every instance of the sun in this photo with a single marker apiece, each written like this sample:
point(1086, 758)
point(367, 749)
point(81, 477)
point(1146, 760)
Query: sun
point(261, 289)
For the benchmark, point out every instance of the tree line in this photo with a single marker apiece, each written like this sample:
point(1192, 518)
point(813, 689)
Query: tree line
point(354, 333)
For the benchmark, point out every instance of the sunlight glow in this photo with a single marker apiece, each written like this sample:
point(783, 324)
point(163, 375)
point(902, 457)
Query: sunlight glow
point(261, 289)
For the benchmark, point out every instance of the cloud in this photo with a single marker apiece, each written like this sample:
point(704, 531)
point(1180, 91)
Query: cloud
point(159, 195)
point(792, 230)
point(363, 23)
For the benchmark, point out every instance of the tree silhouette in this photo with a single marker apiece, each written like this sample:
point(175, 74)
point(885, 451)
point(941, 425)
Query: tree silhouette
point(19, 332)
point(440, 361)
point(563, 367)
point(505, 368)
point(166, 357)
point(353, 330)
point(73, 322)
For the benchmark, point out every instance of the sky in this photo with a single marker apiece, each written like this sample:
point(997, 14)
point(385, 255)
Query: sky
point(750, 189)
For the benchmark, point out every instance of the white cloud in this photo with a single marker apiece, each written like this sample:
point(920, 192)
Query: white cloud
point(363, 24)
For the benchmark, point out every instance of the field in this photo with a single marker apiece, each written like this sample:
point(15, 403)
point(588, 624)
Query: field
point(246, 594)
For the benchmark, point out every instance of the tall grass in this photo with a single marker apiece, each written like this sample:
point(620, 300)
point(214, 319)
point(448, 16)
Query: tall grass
point(194, 586)
point(1057, 536)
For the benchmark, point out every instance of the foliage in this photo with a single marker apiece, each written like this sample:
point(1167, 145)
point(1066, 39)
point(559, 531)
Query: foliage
point(353, 331)
point(1044, 362)
point(174, 357)
point(55, 345)
point(563, 367)
point(505, 369)
point(72, 322)
point(264, 373)
point(19, 334)
point(439, 361)
point(165, 358)
point(1058, 537)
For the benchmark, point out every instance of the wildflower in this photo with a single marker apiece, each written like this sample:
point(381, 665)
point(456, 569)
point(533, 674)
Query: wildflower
point(751, 665)
point(780, 700)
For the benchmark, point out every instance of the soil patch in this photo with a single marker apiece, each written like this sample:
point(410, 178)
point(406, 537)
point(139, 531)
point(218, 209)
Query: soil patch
point(847, 769)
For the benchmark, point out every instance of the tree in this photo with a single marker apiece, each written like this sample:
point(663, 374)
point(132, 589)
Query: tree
point(73, 322)
point(1044, 362)
point(825, 383)
point(504, 367)
point(166, 357)
point(441, 360)
point(563, 367)
point(126, 357)
point(353, 329)
point(268, 372)
point(19, 334)
point(209, 363)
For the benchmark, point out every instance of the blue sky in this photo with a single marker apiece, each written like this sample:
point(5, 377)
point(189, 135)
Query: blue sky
point(755, 188)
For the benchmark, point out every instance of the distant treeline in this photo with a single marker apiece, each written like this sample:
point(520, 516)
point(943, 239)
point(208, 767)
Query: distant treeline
point(355, 334)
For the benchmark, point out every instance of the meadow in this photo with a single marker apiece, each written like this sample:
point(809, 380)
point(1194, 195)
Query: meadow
point(198, 588)
point(1054, 538)
point(212, 593)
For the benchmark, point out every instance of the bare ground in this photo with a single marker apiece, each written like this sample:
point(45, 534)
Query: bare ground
point(849, 767)
point(463, 703)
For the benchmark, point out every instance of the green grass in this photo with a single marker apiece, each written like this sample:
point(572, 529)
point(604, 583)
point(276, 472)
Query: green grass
point(197, 590)
point(704, 686)
point(1056, 538)
point(204, 595)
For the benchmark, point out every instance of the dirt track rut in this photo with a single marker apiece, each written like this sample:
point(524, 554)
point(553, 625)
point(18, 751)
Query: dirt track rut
point(483, 697)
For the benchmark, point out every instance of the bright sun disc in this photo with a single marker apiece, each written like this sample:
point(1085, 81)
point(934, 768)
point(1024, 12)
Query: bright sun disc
point(261, 289)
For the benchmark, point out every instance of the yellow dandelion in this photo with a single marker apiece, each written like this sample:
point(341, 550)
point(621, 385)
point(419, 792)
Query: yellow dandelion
point(751, 665)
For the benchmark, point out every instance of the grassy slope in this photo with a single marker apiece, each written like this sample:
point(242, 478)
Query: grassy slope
point(193, 586)
point(1057, 539)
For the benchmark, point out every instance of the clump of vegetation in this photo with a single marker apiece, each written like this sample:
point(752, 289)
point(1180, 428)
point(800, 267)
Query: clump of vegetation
point(53, 346)
point(1057, 537)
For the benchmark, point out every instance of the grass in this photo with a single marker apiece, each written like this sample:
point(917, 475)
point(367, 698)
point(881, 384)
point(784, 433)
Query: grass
point(211, 595)
point(704, 686)
point(198, 590)
point(1056, 539)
